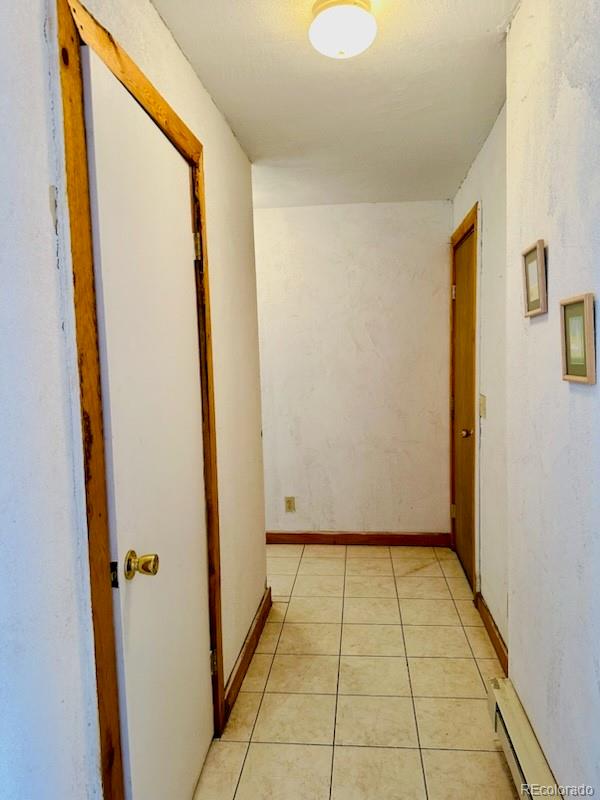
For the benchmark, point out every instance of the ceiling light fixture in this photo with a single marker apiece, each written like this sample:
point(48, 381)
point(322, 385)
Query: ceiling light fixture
point(342, 28)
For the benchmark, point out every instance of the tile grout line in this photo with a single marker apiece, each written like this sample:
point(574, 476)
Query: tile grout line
point(262, 697)
point(438, 561)
point(371, 746)
point(412, 697)
point(380, 624)
point(462, 625)
point(360, 694)
point(337, 688)
point(364, 655)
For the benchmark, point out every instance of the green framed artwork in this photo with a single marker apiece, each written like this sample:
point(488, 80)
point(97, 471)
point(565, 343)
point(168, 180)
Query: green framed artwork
point(534, 280)
point(578, 339)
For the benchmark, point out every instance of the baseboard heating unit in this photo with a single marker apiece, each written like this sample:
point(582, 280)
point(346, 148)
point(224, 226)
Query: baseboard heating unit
point(526, 761)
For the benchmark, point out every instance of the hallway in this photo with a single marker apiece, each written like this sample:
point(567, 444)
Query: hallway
point(374, 656)
point(336, 288)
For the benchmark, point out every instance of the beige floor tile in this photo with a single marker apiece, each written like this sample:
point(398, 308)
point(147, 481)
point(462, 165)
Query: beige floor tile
point(468, 613)
point(370, 586)
point(467, 776)
point(416, 568)
point(422, 588)
point(306, 674)
point(296, 719)
point(455, 724)
point(377, 773)
point(435, 641)
point(286, 772)
point(372, 640)
point(306, 638)
point(368, 551)
point(319, 586)
point(373, 675)
point(258, 671)
point(452, 568)
point(324, 550)
point(281, 585)
point(490, 668)
point(277, 612)
point(322, 566)
point(268, 639)
point(242, 717)
point(280, 550)
point(428, 612)
point(410, 551)
point(445, 554)
point(460, 589)
point(315, 609)
point(221, 771)
point(445, 677)
point(375, 722)
point(480, 643)
point(373, 610)
point(283, 566)
point(369, 566)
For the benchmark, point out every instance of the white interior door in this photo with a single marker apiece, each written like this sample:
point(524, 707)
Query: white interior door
point(147, 319)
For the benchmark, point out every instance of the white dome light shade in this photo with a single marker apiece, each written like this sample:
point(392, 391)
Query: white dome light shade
point(342, 29)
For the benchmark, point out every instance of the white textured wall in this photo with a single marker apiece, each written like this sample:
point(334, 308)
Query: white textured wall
point(485, 184)
point(48, 725)
point(353, 311)
point(553, 119)
point(48, 712)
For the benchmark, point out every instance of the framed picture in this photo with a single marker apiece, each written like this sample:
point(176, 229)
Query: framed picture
point(534, 280)
point(578, 339)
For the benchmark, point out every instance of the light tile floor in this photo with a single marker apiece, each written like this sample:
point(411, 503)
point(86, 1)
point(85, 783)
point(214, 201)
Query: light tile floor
point(368, 683)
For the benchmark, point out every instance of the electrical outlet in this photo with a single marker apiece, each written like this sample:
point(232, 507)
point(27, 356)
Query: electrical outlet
point(290, 504)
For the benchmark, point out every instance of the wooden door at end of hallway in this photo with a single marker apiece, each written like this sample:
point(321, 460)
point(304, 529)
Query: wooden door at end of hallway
point(463, 423)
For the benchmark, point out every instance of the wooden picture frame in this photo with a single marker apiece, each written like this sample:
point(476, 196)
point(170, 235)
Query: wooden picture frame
point(578, 343)
point(535, 292)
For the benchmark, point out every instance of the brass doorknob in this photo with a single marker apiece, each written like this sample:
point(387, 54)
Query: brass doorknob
point(465, 433)
point(145, 565)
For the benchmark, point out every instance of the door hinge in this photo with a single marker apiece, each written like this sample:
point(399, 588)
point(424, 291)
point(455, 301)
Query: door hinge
point(453, 511)
point(114, 574)
point(213, 662)
point(453, 291)
point(197, 246)
point(452, 407)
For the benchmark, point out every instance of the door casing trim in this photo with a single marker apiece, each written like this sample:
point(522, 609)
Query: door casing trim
point(75, 27)
point(470, 224)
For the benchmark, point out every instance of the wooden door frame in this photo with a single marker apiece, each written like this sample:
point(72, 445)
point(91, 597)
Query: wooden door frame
point(470, 224)
point(75, 28)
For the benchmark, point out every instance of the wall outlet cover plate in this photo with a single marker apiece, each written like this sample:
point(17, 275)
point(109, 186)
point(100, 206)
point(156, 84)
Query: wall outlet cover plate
point(290, 504)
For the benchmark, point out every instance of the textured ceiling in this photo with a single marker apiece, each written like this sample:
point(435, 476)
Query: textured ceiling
point(402, 121)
